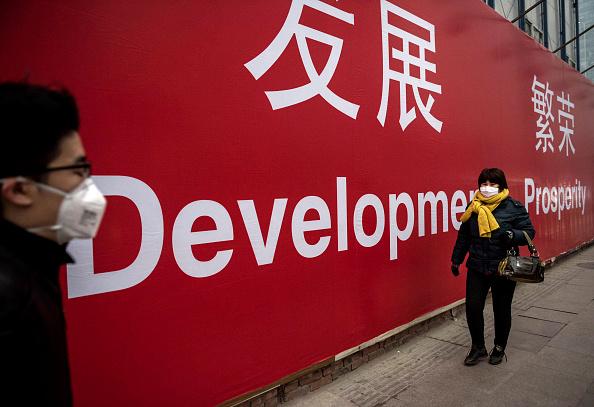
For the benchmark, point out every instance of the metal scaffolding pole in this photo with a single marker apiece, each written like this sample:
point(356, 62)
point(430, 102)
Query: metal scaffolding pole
point(523, 13)
point(573, 39)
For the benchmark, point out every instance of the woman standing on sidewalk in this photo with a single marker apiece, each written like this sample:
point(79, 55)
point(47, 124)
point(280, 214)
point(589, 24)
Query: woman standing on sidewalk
point(492, 223)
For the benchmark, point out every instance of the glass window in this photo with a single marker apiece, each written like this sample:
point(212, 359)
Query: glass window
point(553, 22)
point(585, 20)
point(507, 8)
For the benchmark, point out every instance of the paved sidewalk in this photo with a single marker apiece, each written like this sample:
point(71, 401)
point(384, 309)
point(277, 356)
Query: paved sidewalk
point(550, 355)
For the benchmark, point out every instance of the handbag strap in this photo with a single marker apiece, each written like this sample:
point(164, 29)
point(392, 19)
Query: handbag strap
point(531, 247)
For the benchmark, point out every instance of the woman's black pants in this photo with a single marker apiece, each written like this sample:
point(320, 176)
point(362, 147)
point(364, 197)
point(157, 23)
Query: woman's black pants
point(502, 292)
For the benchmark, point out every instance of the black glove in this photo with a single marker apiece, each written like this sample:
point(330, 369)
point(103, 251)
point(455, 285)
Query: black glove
point(502, 236)
point(455, 270)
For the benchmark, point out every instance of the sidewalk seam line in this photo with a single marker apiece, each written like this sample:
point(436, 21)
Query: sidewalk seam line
point(544, 336)
point(443, 340)
point(558, 310)
point(540, 319)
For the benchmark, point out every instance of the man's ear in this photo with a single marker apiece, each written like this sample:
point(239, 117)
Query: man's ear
point(18, 192)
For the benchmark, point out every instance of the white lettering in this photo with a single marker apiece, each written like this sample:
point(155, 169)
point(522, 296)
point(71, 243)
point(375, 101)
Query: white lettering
point(82, 279)
point(396, 233)
point(374, 202)
point(81, 276)
point(183, 238)
point(263, 251)
point(341, 213)
point(555, 199)
point(546, 200)
point(433, 200)
point(457, 209)
point(300, 226)
point(528, 196)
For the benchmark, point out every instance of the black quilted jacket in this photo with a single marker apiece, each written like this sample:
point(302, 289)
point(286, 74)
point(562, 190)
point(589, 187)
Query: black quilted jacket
point(486, 253)
point(33, 354)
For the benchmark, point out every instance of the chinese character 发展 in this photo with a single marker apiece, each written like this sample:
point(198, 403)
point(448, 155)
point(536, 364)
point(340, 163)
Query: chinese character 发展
point(318, 81)
point(405, 78)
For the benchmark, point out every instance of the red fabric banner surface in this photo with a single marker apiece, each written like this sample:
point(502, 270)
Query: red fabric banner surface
point(284, 178)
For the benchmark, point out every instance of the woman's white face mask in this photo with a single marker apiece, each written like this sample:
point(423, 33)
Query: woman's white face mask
point(488, 190)
point(80, 213)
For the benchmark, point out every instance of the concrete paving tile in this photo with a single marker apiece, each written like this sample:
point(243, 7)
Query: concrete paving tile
point(526, 341)
point(456, 378)
point(418, 343)
point(546, 385)
point(383, 378)
point(449, 332)
point(559, 277)
point(573, 293)
point(582, 283)
point(456, 358)
point(442, 394)
point(575, 290)
point(587, 400)
point(586, 280)
point(590, 389)
point(565, 361)
point(559, 273)
point(559, 305)
point(320, 398)
point(461, 322)
point(511, 397)
point(575, 337)
point(516, 359)
point(398, 403)
point(580, 326)
point(584, 267)
point(567, 266)
point(412, 397)
point(587, 315)
point(527, 294)
point(547, 315)
point(537, 326)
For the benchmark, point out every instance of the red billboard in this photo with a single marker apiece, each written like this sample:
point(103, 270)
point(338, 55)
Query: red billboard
point(285, 178)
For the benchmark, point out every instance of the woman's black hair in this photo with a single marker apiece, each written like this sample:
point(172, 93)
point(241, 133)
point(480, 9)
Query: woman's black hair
point(494, 175)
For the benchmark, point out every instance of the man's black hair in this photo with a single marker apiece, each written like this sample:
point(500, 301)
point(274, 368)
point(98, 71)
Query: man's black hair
point(33, 121)
point(494, 175)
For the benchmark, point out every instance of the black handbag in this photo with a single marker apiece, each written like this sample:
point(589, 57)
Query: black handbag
point(523, 269)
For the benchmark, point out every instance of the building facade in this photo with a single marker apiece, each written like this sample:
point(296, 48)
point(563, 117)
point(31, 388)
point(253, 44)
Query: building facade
point(544, 24)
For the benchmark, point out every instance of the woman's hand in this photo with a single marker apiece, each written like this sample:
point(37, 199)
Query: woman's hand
point(502, 236)
point(455, 270)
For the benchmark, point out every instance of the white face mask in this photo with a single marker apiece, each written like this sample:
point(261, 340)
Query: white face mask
point(489, 191)
point(80, 213)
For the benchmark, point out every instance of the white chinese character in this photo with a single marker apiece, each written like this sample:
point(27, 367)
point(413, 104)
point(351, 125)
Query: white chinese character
point(405, 78)
point(564, 127)
point(542, 97)
point(318, 81)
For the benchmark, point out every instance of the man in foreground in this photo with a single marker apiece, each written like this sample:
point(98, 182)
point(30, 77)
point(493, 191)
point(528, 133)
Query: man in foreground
point(46, 199)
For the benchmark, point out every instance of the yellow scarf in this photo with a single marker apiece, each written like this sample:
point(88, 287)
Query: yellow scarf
point(484, 208)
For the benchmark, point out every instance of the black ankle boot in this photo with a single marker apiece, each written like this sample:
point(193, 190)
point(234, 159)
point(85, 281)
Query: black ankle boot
point(475, 355)
point(497, 355)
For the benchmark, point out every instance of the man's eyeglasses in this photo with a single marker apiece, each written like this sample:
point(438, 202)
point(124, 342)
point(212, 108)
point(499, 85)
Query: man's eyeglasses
point(84, 168)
